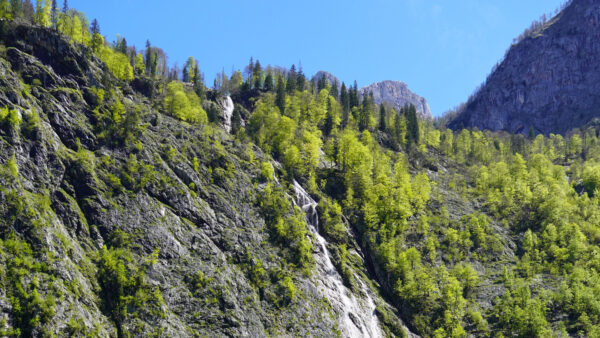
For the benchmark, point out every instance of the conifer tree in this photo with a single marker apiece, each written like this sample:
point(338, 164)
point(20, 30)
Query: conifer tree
point(269, 85)
point(65, 7)
point(28, 11)
point(54, 15)
point(300, 79)
point(321, 83)
point(96, 37)
point(16, 8)
point(280, 98)
point(382, 123)
point(412, 124)
point(328, 125)
point(257, 75)
point(291, 80)
point(334, 91)
point(345, 101)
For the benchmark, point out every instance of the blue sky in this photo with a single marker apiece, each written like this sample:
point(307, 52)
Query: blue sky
point(442, 49)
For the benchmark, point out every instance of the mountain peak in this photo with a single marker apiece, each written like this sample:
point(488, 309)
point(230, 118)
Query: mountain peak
point(397, 94)
point(549, 80)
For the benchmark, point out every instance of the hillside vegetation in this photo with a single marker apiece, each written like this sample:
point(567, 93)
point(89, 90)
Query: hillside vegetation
point(126, 209)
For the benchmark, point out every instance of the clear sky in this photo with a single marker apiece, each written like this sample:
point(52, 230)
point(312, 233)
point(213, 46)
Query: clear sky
point(442, 49)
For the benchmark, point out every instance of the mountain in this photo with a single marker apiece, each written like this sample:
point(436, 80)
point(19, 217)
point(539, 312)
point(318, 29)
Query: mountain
point(328, 76)
point(397, 94)
point(135, 204)
point(549, 81)
point(118, 219)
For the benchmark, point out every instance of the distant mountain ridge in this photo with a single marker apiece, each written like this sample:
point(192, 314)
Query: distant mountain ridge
point(548, 82)
point(395, 93)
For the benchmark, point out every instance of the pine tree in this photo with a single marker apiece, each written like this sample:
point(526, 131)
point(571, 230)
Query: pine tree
point(16, 8)
point(28, 11)
point(54, 15)
point(382, 123)
point(280, 98)
point(198, 82)
point(291, 80)
point(412, 124)
point(300, 79)
point(257, 74)
point(96, 37)
point(321, 83)
point(354, 99)
point(364, 114)
point(269, 85)
point(334, 91)
point(345, 101)
point(328, 125)
point(65, 7)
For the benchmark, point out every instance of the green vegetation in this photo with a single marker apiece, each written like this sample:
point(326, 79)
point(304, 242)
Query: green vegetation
point(471, 232)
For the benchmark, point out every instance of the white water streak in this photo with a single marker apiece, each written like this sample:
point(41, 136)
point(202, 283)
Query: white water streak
point(358, 318)
point(227, 113)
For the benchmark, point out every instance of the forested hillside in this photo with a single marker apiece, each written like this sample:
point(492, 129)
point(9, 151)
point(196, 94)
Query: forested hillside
point(137, 201)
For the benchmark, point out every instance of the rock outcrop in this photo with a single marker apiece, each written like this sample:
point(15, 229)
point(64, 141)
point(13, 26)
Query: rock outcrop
point(549, 81)
point(328, 76)
point(397, 94)
point(149, 227)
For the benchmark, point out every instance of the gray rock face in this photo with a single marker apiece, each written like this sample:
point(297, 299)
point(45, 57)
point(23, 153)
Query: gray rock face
point(178, 213)
point(330, 78)
point(549, 81)
point(397, 94)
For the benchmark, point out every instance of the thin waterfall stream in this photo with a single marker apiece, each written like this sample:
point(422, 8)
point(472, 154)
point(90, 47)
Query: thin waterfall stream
point(358, 318)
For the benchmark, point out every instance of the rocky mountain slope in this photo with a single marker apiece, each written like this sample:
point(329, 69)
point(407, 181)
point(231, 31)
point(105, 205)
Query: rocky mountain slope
point(332, 79)
point(549, 81)
point(397, 94)
point(119, 220)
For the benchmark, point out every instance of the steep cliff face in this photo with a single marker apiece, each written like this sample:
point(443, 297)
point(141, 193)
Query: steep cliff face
point(117, 221)
point(397, 94)
point(549, 81)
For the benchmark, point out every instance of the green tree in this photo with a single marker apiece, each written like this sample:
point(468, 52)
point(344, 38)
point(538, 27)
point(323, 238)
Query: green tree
point(412, 124)
point(16, 8)
point(382, 118)
point(291, 80)
point(140, 68)
point(281, 93)
point(269, 83)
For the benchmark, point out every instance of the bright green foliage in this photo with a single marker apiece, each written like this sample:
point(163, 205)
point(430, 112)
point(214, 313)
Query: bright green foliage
point(43, 12)
point(140, 67)
point(184, 104)
point(123, 289)
point(287, 224)
point(118, 63)
point(266, 171)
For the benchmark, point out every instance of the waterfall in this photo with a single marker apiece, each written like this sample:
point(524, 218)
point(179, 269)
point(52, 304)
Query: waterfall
point(227, 112)
point(357, 316)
